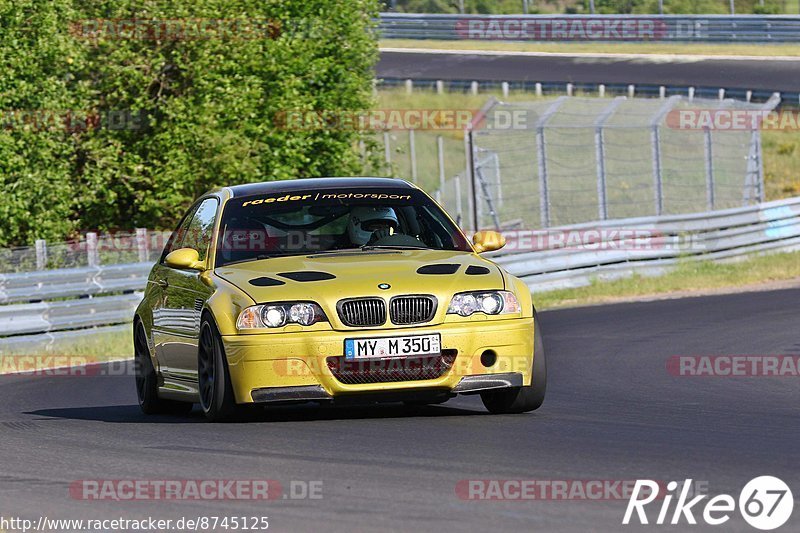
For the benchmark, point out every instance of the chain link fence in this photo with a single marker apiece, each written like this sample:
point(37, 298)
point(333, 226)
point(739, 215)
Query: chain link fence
point(549, 162)
point(571, 160)
point(89, 250)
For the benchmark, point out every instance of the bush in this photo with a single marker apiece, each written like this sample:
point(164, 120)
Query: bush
point(178, 113)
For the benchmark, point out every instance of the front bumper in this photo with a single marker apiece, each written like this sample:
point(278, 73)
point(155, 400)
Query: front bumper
point(294, 366)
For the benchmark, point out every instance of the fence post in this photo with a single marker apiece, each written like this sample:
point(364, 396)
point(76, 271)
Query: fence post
point(541, 160)
point(459, 210)
point(472, 197)
point(41, 254)
point(756, 159)
point(498, 180)
point(387, 151)
point(413, 153)
point(142, 244)
point(709, 157)
point(544, 193)
point(469, 175)
point(439, 87)
point(409, 86)
point(761, 196)
point(440, 153)
point(602, 203)
point(470, 150)
point(92, 257)
point(655, 141)
point(600, 156)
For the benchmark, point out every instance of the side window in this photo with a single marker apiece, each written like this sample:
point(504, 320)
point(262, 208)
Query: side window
point(179, 235)
point(201, 228)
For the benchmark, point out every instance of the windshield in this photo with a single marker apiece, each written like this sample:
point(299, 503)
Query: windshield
point(334, 220)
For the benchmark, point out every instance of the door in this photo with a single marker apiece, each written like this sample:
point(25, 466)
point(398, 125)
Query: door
point(184, 294)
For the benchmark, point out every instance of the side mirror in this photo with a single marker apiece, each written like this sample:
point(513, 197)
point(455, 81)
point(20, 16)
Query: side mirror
point(488, 241)
point(185, 258)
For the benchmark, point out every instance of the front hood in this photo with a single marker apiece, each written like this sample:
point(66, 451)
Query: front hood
point(356, 274)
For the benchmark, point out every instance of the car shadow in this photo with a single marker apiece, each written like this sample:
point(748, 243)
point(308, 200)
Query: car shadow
point(131, 414)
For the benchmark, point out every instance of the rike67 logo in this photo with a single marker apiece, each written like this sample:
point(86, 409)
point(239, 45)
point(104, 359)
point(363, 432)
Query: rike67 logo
point(765, 503)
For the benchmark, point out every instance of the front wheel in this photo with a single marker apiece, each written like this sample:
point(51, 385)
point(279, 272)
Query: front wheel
point(147, 380)
point(213, 377)
point(527, 398)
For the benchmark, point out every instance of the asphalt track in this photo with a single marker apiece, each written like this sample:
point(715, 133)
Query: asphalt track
point(613, 412)
point(750, 74)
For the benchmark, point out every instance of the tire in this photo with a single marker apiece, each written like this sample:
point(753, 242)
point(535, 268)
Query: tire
point(213, 378)
point(527, 398)
point(147, 379)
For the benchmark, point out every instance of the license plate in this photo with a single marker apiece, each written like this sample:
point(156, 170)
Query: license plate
point(381, 347)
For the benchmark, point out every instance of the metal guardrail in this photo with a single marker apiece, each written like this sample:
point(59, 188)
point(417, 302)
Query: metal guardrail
point(646, 246)
point(604, 28)
point(72, 282)
point(45, 317)
point(663, 241)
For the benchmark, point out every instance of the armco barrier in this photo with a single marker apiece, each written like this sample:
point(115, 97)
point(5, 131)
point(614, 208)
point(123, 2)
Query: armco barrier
point(72, 282)
point(605, 28)
point(715, 236)
point(719, 236)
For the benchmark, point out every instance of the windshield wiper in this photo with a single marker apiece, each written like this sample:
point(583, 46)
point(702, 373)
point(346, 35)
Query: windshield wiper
point(334, 251)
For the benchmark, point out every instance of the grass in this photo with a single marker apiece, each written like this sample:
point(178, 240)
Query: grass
point(687, 277)
point(781, 163)
point(103, 346)
point(603, 47)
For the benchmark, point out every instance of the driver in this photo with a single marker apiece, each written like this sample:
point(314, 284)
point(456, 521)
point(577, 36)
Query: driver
point(369, 224)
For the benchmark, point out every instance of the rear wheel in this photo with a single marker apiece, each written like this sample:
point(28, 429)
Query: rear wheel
point(147, 380)
point(522, 399)
point(214, 380)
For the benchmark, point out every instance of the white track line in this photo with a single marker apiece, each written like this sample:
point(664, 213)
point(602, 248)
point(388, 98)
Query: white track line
point(655, 58)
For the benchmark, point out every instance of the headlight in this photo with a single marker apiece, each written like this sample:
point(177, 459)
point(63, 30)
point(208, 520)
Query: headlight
point(279, 314)
point(489, 302)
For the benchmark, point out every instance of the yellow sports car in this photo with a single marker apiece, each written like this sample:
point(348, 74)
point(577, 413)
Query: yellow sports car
point(332, 290)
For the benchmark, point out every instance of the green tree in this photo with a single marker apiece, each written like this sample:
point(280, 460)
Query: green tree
point(180, 109)
point(37, 88)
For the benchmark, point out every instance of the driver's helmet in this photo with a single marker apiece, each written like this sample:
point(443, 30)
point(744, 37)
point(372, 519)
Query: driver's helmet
point(365, 220)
